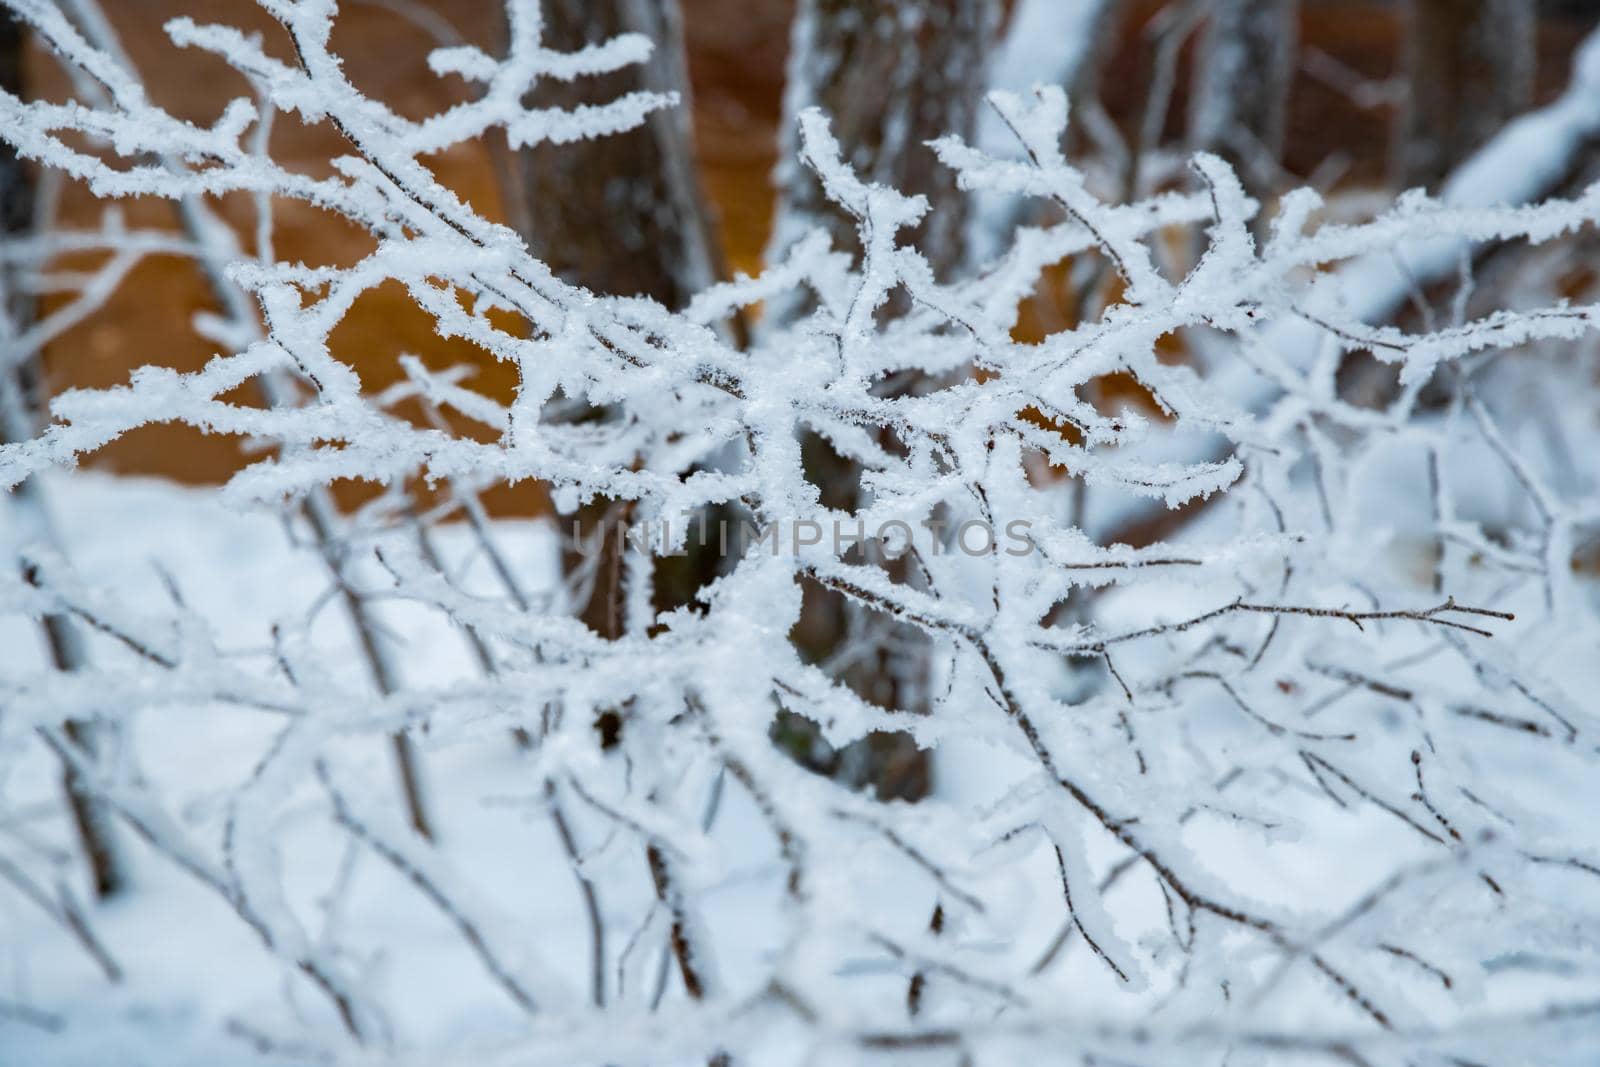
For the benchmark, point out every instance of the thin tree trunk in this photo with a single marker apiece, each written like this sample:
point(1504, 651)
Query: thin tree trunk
point(20, 400)
point(622, 215)
point(1093, 125)
point(890, 76)
point(1468, 70)
point(1239, 105)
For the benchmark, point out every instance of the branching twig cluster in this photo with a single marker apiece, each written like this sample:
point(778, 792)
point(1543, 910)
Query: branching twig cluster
point(1140, 724)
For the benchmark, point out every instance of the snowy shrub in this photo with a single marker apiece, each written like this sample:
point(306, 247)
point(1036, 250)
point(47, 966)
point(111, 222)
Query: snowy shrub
point(1309, 777)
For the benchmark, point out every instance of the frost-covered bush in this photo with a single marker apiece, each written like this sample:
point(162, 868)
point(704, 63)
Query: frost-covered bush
point(1311, 779)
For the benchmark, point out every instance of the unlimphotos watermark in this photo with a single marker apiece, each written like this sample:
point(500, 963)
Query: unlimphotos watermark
point(890, 539)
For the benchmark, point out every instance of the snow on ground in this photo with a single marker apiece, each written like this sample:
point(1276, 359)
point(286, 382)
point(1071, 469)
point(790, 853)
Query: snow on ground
point(191, 965)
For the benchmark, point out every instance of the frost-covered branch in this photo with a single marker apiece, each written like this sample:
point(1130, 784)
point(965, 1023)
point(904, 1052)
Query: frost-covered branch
point(1318, 758)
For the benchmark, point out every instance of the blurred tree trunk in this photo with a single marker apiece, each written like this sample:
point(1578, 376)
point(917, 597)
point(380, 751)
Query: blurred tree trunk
point(890, 76)
point(21, 401)
point(1468, 69)
point(1239, 102)
point(16, 185)
point(622, 215)
point(1092, 125)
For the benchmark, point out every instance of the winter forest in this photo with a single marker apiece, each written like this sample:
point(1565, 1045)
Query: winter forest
point(799, 532)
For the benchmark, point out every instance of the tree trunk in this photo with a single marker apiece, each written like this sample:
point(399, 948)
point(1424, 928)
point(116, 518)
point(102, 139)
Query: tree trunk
point(890, 75)
point(622, 215)
point(1239, 104)
point(1468, 69)
point(16, 185)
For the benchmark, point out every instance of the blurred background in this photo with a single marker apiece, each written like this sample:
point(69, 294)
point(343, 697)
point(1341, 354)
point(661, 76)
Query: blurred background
point(1352, 97)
